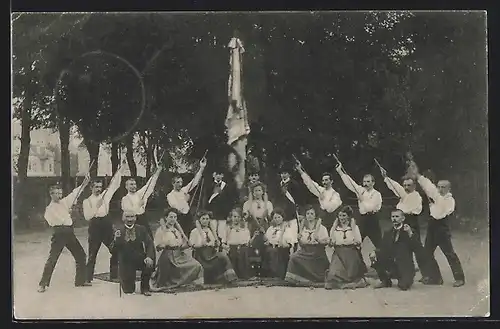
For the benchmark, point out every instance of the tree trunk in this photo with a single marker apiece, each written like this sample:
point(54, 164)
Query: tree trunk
point(93, 149)
point(22, 162)
point(130, 156)
point(115, 160)
point(64, 129)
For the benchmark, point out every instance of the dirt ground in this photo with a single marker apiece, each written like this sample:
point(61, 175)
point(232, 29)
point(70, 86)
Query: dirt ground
point(101, 301)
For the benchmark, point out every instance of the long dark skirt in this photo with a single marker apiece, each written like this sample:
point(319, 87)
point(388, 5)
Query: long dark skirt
point(217, 267)
point(308, 264)
point(238, 254)
point(347, 267)
point(176, 268)
point(277, 261)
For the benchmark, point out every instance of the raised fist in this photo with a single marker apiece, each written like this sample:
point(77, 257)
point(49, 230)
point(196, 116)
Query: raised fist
point(118, 234)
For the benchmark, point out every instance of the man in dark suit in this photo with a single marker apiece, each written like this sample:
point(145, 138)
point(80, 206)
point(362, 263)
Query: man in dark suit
point(394, 258)
point(136, 251)
point(222, 196)
point(287, 199)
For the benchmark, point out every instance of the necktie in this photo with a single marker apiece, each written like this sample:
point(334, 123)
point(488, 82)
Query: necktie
point(396, 235)
point(309, 238)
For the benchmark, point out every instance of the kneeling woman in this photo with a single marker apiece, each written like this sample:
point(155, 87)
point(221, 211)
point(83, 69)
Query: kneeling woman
point(347, 267)
point(176, 266)
point(216, 265)
point(309, 263)
point(279, 239)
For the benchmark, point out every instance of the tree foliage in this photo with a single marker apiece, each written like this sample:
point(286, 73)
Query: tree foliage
point(360, 85)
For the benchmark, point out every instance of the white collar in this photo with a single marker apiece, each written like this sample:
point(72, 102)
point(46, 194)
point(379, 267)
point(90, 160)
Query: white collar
point(129, 227)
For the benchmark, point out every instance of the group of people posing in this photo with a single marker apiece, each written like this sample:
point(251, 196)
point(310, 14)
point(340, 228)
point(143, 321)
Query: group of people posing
point(232, 240)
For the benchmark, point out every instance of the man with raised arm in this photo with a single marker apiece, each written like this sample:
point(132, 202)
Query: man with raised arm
point(329, 199)
point(135, 201)
point(369, 202)
point(442, 208)
point(178, 198)
point(100, 230)
point(58, 216)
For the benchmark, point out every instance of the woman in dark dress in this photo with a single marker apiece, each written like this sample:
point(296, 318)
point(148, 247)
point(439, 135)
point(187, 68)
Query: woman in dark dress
point(347, 267)
point(217, 267)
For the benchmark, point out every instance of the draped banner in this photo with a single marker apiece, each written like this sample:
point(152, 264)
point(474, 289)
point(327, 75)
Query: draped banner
point(237, 115)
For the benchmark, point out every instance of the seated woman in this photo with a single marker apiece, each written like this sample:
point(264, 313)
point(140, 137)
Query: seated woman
point(176, 267)
point(279, 240)
point(217, 267)
point(309, 263)
point(236, 241)
point(347, 267)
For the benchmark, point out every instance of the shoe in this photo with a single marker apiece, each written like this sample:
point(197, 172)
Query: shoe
point(458, 283)
point(42, 289)
point(85, 284)
point(146, 293)
point(423, 279)
point(433, 282)
point(382, 285)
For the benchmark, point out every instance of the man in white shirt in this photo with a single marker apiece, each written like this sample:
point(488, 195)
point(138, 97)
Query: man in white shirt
point(410, 201)
point(369, 203)
point(442, 207)
point(178, 198)
point(135, 201)
point(58, 216)
point(96, 211)
point(329, 199)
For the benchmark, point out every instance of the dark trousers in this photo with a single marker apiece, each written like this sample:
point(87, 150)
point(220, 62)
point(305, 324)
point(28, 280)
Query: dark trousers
point(327, 219)
point(439, 235)
point(186, 222)
point(64, 236)
point(387, 269)
point(369, 227)
point(101, 232)
point(143, 221)
point(412, 221)
point(127, 269)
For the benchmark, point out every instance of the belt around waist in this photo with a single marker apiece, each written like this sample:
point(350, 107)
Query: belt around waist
point(369, 213)
point(62, 226)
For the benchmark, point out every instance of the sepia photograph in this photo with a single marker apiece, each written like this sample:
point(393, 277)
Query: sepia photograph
point(249, 165)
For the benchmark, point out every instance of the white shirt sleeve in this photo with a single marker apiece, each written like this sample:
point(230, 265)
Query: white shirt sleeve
point(195, 238)
point(148, 188)
point(113, 187)
point(192, 184)
point(70, 199)
point(323, 233)
point(429, 188)
point(351, 184)
point(311, 185)
point(395, 187)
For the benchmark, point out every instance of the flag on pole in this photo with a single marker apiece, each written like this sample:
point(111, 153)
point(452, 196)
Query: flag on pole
point(237, 116)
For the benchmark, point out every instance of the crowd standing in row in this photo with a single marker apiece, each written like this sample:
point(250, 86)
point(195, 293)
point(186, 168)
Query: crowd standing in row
point(230, 241)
